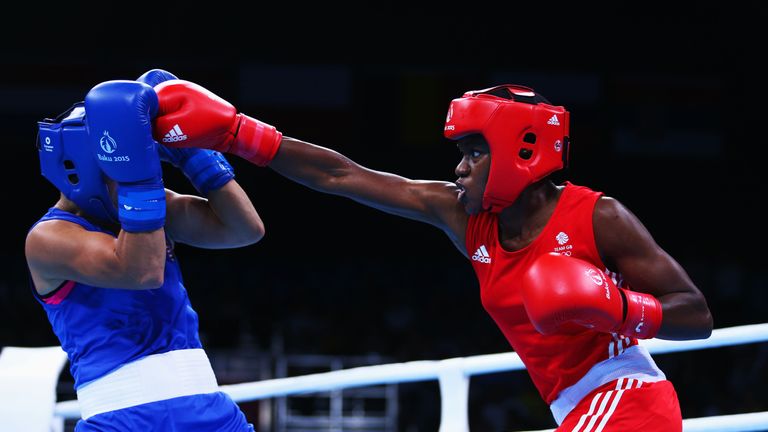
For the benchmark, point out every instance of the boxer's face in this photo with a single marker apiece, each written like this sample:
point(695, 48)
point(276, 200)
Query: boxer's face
point(472, 171)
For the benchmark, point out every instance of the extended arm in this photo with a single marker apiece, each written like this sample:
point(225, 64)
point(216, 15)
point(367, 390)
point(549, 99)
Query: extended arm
point(210, 122)
point(328, 171)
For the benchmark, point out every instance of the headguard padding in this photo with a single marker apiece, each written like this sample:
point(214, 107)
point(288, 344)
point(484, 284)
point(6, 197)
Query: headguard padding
point(68, 163)
point(527, 136)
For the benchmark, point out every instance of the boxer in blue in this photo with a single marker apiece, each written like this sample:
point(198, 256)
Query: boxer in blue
point(107, 275)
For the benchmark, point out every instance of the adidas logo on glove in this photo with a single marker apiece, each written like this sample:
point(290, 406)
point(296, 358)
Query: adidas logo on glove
point(174, 135)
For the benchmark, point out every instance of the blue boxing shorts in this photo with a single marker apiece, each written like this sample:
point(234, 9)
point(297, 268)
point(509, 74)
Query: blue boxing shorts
point(174, 391)
point(212, 412)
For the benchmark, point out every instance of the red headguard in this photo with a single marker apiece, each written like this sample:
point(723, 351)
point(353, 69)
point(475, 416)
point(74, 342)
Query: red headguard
point(528, 137)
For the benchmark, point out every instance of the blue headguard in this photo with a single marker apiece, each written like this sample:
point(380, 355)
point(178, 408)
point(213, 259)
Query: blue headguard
point(68, 163)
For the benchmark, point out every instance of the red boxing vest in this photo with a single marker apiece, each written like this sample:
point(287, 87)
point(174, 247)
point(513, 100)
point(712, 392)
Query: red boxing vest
point(559, 360)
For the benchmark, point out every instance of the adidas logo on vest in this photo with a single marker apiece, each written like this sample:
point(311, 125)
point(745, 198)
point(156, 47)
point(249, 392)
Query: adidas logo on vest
point(174, 135)
point(481, 255)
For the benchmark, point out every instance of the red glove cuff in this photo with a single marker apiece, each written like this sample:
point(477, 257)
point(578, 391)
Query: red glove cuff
point(256, 141)
point(643, 315)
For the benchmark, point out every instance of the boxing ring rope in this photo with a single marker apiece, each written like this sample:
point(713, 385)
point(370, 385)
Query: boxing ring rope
point(453, 376)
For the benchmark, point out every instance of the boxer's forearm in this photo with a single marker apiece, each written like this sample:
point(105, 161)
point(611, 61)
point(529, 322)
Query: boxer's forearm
point(313, 166)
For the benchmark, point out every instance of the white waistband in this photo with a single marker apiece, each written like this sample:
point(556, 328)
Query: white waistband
point(635, 362)
point(150, 379)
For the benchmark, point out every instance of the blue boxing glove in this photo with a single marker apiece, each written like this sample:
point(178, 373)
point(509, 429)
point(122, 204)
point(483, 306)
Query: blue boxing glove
point(154, 77)
point(207, 170)
point(119, 119)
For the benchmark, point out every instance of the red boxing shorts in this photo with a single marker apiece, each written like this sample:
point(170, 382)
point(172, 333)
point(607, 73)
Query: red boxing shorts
point(626, 405)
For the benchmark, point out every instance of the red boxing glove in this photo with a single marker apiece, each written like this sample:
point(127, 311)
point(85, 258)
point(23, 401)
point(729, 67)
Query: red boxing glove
point(558, 289)
point(191, 116)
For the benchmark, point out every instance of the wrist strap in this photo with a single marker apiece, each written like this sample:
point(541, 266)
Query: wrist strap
point(643, 315)
point(141, 208)
point(256, 141)
point(208, 170)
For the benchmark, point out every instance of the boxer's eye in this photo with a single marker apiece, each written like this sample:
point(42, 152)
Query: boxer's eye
point(476, 154)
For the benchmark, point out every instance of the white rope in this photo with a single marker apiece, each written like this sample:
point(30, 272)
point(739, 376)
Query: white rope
point(446, 372)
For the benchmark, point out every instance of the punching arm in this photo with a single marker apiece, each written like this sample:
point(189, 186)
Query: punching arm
point(207, 121)
point(328, 171)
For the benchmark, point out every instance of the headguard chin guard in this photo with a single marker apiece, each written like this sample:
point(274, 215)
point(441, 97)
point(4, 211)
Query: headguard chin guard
point(68, 163)
point(527, 136)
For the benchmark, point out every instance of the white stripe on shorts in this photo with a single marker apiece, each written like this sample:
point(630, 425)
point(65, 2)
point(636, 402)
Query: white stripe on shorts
point(614, 396)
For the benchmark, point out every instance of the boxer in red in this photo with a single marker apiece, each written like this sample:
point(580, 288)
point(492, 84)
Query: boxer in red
point(571, 277)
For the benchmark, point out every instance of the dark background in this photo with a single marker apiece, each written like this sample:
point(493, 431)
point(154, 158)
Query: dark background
point(667, 115)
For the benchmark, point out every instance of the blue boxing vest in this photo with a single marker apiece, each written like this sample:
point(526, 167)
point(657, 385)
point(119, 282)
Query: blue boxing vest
point(102, 329)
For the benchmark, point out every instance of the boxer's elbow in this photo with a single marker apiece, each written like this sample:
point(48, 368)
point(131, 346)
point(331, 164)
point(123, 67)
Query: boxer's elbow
point(706, 326)
point(150, 281)
point(153, 276)
point(243, 234)
point(253, 233)
point(702, 317)
point(685, 319)
point(149, 275)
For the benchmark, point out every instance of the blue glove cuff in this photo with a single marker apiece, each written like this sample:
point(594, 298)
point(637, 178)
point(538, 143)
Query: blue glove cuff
point(141, 207)
point(208, 170)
